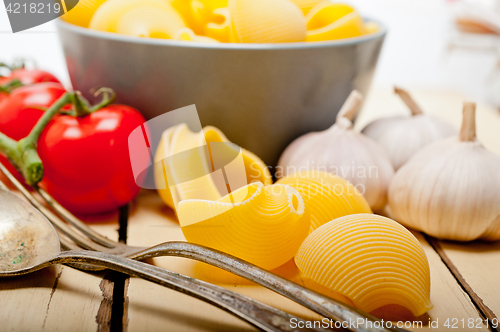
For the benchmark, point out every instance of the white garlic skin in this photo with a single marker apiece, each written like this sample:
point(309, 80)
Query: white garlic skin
point(403, 136)
point(450, 190)
point(346, 153)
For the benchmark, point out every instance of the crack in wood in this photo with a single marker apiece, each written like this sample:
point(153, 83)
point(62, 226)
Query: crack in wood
point(103, 317)
point(112, 314)
point(125, 305)
point(54, 287)
point(483, 309)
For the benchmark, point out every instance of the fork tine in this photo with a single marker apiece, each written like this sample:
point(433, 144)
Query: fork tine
point(59, 224)
point(66, 243)
point(74, 221)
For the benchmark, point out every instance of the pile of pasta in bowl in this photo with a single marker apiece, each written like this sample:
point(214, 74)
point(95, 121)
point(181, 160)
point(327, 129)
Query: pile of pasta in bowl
point(224, 21)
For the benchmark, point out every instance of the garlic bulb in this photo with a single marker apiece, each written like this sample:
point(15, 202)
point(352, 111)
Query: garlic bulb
point(403, 136)
point(346, 153)
point(451, 188)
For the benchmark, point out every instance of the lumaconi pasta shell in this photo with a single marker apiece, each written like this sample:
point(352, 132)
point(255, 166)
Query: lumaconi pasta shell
point(372, 260)
point(183, 7)
point(187, 34)
point(330, 21)
point(203, 11)
point(178, 139)
point(326, 195)
point(220, 27)
point(264, 225)
point(266, 21)
point(145, 18)
point(82, 13)
point(198, 13)
point(306, 5)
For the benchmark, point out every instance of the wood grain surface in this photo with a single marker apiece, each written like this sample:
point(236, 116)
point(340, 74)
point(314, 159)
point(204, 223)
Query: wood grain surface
point(64, 299)
point(58, 298)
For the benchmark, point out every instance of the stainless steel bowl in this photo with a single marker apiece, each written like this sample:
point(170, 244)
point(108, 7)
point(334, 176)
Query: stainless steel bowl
point(262, 96)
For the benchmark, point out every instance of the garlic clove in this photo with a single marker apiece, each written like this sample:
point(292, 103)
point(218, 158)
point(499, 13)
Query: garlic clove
point(342, 151)
point(402, 136)
point(451, 188)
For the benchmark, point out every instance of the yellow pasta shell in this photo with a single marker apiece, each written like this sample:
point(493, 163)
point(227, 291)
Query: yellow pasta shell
point(183, 7)
point(266, 21)
point(326, 195)
point(178, 139)
point(82, 13)
point(330, 21)
point(220, 27)
point(372, 260)
point(306, 5)
point(145, 18)
point(203, 11)
point(187, 34)
point(264, 225)
point(198, 13)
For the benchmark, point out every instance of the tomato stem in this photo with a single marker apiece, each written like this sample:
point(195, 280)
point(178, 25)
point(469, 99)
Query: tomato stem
point(81, 105)
point(32, 138)
point(14, 84)
point(109, 97)
point(23, 154)
point(6, 143)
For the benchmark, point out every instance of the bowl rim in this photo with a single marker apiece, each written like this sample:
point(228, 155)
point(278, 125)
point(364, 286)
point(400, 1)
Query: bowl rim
point(61, 24)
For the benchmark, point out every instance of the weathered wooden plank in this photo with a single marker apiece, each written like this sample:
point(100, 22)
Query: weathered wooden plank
point(59, 298)
point(475, 265)
point(478, 267)
point(152, 308)
point(55, 299)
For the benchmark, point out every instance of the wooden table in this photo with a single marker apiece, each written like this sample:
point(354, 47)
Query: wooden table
point(465, 277)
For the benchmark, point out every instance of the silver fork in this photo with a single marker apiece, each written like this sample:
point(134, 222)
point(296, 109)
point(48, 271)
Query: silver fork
point(82, 236)
point(19, 215)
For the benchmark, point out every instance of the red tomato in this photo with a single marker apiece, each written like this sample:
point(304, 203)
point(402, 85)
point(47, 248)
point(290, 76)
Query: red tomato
point(20, 111)
point(86, 159)
point(29, 76)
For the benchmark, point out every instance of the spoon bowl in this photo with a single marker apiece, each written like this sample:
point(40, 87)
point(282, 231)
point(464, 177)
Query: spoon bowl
point(27, 238)
point(28, 243)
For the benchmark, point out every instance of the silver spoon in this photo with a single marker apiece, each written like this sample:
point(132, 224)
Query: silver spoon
point(28, 243)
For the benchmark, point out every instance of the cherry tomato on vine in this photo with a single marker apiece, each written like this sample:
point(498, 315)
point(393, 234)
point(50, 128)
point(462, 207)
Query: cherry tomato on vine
point(29, 76)
point(24, 76)
point(21, 110)
point(86, 160)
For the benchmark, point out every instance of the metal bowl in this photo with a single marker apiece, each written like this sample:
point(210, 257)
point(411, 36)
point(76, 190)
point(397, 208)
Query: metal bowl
point(262, 96)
